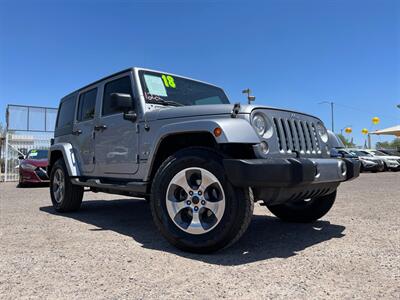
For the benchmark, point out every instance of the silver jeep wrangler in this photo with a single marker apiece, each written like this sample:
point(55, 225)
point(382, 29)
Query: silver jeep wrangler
point(200, 161)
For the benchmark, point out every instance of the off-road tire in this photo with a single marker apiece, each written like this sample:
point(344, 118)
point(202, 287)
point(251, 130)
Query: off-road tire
point(73, 194)
point(304, 211)
point(239, 203)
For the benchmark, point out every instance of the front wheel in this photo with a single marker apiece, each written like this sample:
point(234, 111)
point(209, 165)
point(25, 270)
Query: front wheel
point(304, 211)
point(194, 205)
point(64, 195)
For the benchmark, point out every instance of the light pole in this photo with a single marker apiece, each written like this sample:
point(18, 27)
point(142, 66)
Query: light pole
point(331, 104)
point(249, 96)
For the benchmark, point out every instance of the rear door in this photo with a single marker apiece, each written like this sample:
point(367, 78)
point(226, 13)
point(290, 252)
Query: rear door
point(116, 139)
point(83, 130)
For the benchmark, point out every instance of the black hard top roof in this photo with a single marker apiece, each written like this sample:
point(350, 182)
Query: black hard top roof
point(97, 81)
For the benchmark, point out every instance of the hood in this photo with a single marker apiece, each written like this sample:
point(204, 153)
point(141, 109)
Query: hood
point(168, 112)
point(36, 162)
point(387, 157)
point(374, 158)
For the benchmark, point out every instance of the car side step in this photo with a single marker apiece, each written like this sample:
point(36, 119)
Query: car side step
point(132, 186)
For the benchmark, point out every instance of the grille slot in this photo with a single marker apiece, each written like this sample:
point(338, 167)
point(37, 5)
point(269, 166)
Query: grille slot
point(296, 136)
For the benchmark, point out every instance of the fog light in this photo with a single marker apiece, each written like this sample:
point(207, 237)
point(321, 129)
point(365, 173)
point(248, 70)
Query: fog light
point(264, 147)
point(317, 171)
point(343, 168)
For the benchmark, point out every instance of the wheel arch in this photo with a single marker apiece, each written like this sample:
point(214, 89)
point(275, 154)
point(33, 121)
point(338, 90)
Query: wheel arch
point(66, 152)
point(172, 143)
point(237, 136)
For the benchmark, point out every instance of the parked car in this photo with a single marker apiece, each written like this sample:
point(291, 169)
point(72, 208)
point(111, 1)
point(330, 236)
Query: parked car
point(33, 167)
point(391, 162)
point(368, 162)
point(393, 152)
point(200, 161)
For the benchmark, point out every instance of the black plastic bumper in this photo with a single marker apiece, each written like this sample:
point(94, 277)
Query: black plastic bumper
point(289, 172)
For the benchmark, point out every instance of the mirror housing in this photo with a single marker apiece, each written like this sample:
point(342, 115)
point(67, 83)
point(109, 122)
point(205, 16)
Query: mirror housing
point(20, 157)
point(123, 102)
point(130, 116)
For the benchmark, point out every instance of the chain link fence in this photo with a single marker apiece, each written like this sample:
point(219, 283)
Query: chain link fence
point(28, 128)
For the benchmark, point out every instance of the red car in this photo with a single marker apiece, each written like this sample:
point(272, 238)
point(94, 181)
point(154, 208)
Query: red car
point(33, 168)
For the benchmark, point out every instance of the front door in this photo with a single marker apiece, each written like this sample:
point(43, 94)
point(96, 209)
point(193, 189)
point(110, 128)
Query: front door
point(116, 139)
point(83, 130)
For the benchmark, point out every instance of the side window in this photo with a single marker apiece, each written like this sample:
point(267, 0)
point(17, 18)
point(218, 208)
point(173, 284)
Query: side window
point(87, 104)
point(66, 112)
point(121, 85)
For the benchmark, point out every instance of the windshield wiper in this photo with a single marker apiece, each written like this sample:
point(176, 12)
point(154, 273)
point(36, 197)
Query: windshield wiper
point(158, 100)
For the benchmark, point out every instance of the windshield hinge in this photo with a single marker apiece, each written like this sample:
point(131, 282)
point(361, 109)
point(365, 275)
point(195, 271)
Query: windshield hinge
point(235, 110)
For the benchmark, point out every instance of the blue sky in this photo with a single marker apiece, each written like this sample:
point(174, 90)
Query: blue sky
point(292, 54)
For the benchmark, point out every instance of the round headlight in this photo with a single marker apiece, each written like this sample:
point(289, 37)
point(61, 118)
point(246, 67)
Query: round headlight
point(259, 124)
point(322, 132)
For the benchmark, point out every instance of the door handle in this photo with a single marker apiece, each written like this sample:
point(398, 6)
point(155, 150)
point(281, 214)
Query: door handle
point(77, 132)
point(100, 127)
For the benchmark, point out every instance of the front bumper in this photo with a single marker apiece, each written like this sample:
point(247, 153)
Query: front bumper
point(282, 179)
point(372, 166)
point(393, 165)
point(288, 172)
point(33, 176)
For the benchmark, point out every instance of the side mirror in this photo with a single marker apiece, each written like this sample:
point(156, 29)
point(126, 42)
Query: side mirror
point(130, 116)
point(122, 102)
point(20, 157)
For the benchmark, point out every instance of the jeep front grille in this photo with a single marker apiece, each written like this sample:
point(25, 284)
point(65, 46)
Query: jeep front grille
point(296, 136)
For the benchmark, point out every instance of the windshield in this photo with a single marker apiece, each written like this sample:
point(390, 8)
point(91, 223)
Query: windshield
point(379, 153)
point(37, 154)
point(166, 89)
point(346, 153)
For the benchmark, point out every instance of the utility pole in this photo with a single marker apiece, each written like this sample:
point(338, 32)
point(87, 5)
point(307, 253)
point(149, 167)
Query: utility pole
point(331, 103)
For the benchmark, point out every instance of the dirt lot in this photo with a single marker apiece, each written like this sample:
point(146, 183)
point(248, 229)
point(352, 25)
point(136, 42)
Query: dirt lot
point(111, 249)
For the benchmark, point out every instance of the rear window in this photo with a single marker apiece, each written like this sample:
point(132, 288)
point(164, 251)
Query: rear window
point(66, 112)
point(87, 103)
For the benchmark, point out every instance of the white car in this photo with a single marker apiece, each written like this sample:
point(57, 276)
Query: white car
point(391, 162)
point(368, 161)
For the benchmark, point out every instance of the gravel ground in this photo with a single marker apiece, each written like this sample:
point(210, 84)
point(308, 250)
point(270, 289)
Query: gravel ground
point(111, 249)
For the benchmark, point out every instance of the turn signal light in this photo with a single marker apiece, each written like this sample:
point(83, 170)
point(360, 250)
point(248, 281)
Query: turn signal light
point(217, 131)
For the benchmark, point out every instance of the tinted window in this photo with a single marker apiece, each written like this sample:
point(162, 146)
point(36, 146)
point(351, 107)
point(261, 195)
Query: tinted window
point(87, 103)
point(66, 112)
point(123, 86)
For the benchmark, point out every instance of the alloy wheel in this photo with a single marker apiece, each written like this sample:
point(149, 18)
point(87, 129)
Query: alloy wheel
point(195, 200)
point(58, 185)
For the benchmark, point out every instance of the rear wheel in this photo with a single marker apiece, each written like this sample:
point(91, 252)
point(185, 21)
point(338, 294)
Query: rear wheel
point(64, 195)
point(304, 211)
point(193, 204)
